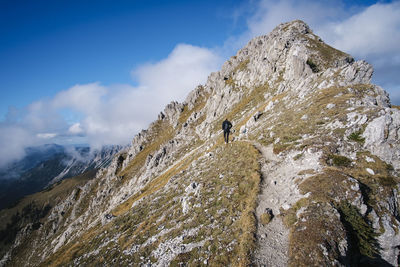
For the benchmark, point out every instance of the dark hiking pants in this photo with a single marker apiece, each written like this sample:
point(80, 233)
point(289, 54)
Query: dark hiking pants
point(226, 136)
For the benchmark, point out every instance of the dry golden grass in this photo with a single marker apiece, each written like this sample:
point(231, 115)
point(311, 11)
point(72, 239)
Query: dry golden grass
point(229, 201)
point(242, 65)
point(69, 252)
point(332, 190)
point(265, 218)
point(327, 55)
point(198, 106)
point(246, 155)
point(260, 108)
point(239, 112)
point(153, 186)
point(289, 216)
point(310, 232)
point(161, 133)
point(381, 184)
point(289, 126)
point(326, 186)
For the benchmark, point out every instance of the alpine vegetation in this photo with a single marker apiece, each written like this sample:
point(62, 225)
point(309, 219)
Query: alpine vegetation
point(308, 177)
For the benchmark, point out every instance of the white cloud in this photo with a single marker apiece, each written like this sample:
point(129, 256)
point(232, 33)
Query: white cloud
point(13, 140)
point(271, 13)
point(267, 14)
point(75, 128)
point(356, 29)
point(186, 67)
point(46, 135)
point(85, 98)
point(33, 125)
point(110, 114)
point(374, 31)
point(129, 109)
point(371, 33)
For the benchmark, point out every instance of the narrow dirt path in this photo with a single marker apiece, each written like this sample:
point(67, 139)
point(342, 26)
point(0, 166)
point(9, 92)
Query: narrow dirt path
point(279, 190)
point(273, 238)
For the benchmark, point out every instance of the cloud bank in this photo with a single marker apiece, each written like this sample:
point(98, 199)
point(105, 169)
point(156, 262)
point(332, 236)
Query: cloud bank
point(108, 114)
point(373, 32)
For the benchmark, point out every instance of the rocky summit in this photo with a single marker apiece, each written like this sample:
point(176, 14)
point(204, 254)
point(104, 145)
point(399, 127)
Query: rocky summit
point(310, 176)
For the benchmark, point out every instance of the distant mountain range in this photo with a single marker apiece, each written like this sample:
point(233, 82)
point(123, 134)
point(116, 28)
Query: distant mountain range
point(47, 164)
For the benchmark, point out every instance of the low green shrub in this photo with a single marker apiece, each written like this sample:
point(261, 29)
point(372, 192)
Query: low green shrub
point(356, 136)
point(340, 161)
point(360, 229)
point(312, 65)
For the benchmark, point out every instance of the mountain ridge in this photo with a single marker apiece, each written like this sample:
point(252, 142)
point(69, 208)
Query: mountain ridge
point(315, 148)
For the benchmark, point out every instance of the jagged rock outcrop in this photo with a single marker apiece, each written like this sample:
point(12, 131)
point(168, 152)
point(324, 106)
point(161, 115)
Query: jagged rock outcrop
point(382, 136)
point(315, 144)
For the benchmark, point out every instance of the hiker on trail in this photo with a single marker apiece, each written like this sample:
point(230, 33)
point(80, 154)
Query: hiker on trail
point(226, 126)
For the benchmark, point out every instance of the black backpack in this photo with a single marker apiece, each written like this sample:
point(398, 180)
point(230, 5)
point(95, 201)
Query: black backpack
point(226, 126)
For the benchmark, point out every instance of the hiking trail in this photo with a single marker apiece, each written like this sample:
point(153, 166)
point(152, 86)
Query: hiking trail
point(273, 238)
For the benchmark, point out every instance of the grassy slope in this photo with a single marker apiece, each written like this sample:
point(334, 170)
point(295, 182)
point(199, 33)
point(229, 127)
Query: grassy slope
point(239, 161)
point(222, 213)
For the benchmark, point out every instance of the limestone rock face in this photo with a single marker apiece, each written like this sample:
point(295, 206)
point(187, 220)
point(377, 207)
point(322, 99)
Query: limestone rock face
point(382, 136)
point(311, 171)
point(282, 63)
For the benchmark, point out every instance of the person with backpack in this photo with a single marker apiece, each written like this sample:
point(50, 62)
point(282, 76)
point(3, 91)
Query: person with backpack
point(226, 126)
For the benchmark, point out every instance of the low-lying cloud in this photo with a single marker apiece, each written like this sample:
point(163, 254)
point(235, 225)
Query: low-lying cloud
point(13, 140)
point(109, 114)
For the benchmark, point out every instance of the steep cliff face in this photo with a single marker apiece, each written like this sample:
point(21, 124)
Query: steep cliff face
point(310, 177)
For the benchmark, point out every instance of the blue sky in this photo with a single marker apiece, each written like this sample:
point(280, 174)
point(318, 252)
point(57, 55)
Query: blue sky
point(48, 46)
point(99, 71)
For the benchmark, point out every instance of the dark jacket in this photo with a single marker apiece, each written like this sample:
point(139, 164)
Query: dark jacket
point(226, 126)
